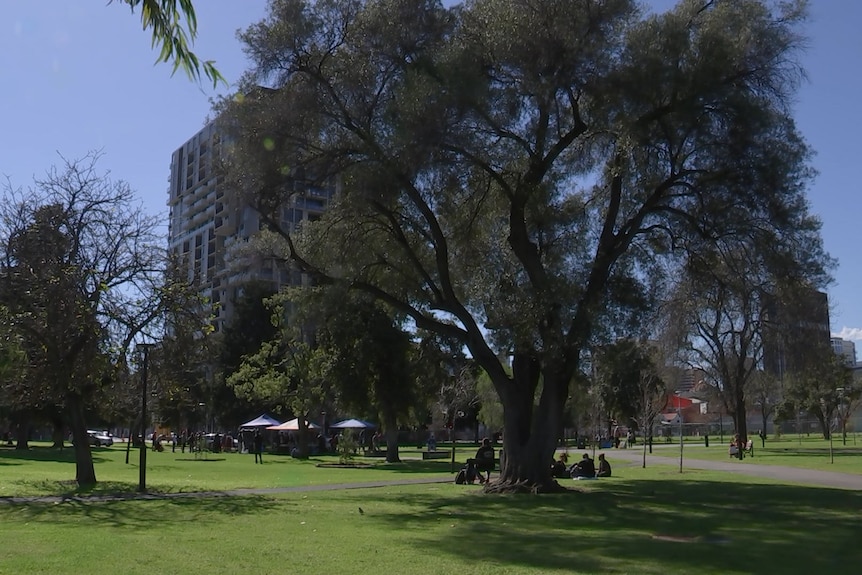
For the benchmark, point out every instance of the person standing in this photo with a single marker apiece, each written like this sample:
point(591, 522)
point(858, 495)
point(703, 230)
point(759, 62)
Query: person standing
point(258, 447)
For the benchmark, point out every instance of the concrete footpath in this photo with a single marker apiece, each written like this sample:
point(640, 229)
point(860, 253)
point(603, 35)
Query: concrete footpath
point(817, 477)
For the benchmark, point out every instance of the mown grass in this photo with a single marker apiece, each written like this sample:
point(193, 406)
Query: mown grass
point(790, 451)
point(642, 521)
point(46, 471)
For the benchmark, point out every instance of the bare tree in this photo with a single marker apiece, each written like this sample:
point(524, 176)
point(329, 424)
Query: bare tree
point(652, 402)
point(80, 261)
point(765, 392)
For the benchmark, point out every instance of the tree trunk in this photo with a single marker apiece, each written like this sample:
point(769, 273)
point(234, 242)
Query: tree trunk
point(528, 441)
point(57, 435)
point(824, 426)
point(302, 438)
point(391, 432)
point(22, 435)
point(645, 450)
point(85, 473)
point(741, 422)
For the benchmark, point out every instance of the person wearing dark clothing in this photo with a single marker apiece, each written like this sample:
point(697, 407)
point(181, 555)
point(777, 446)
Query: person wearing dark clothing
point(604, 467)
point(586, 467)
point(558, 467)
point(485, 460)
point(258, 447)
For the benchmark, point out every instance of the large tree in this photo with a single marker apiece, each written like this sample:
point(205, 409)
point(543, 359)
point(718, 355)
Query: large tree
point(820, 388)
point(368, 361)
point(79, 261)
point(517, 174)
point(728, 300)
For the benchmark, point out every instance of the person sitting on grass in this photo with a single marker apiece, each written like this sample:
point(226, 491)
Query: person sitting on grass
point(558, 467)
point(584, 469)
point(604, 467)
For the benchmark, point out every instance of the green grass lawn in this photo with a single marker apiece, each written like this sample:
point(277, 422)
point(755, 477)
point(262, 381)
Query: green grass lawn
point(46, 471)
point(642, 521)
point(791, 451)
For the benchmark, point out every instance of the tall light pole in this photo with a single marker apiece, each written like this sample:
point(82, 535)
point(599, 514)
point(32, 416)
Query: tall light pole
point(142, 478)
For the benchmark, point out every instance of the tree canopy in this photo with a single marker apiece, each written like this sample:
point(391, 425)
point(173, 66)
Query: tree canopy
point(82, 269)
point(523, 176)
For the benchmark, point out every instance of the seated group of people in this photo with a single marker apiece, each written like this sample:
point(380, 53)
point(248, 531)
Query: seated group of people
point(583, 469)
point(737, 444)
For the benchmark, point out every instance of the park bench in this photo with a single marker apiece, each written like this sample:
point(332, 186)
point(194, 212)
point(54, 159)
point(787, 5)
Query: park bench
point(749, 449)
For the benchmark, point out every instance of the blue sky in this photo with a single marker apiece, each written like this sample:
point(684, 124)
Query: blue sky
point(79, 76)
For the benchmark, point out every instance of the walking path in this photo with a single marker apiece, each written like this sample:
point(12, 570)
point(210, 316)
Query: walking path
point(816, 477)
point(781, 473)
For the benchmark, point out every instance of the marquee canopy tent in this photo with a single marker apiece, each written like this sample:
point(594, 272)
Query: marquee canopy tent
point(353, 424)
point(292, 425)
point(262, 421)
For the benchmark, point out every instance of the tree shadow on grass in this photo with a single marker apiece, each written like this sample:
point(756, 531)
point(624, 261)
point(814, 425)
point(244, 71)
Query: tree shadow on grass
point(625, 526)
point(165, 513)
point(407, 467)
point(810, 451)
point(38, 453)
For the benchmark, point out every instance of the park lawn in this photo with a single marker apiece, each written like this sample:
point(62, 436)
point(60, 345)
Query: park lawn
point(809, 453)
point(45, 471)
point(644, 521)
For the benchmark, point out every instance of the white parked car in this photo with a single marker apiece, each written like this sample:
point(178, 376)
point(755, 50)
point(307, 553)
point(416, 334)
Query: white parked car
point(100, 438)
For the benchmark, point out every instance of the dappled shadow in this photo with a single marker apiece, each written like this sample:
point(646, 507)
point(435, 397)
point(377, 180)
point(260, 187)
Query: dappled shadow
point(690, 526)
point(136, 514)
point(820, 452)
point(407, 466)
point(417, 467)
point(12, 456)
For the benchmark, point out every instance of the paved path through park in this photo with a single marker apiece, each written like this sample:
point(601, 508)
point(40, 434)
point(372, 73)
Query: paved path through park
point(818, 477)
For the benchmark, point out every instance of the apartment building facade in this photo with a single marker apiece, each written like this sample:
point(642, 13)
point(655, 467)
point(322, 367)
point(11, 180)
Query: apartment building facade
point(846, 350)
point(209, 223)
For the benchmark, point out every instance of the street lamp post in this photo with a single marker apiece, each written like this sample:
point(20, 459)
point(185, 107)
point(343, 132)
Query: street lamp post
point(142, 478)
